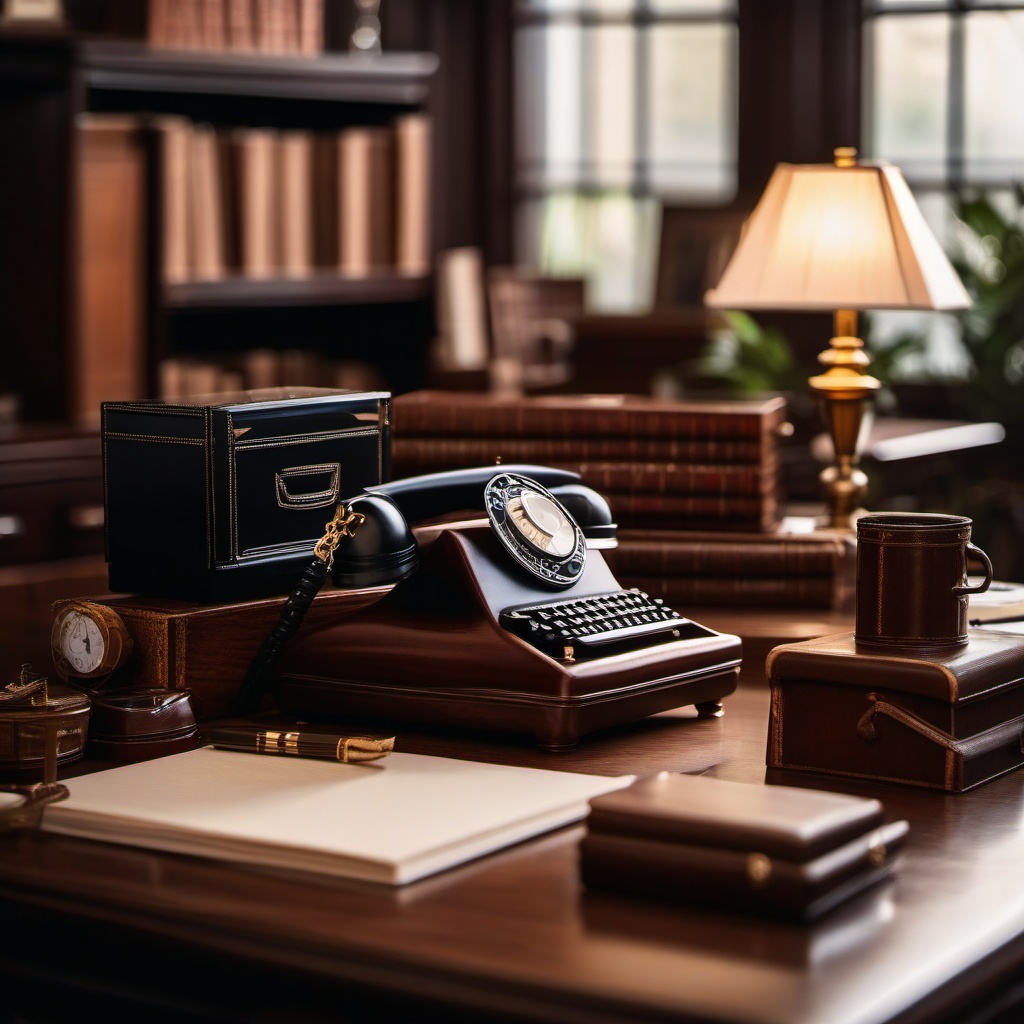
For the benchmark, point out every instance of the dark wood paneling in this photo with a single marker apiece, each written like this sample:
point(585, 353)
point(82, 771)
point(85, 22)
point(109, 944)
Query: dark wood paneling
point(35, 264)
point(799, 85)
point(471, 105)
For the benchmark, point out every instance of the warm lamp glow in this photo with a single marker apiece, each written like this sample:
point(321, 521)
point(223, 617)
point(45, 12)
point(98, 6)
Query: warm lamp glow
point(826, 238)
point(842, 237)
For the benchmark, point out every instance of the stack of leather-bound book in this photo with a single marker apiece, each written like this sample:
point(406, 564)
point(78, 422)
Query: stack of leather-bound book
point(693, 486)
point(687, 568)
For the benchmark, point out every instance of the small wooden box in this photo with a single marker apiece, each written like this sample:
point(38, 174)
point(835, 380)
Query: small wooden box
point(206, 649)
point(947, 720)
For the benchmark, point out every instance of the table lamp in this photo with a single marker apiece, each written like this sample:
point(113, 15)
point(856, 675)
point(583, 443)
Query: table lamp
point(842, 237)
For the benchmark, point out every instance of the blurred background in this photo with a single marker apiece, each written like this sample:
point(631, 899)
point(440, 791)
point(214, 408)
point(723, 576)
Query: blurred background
point(514, 196)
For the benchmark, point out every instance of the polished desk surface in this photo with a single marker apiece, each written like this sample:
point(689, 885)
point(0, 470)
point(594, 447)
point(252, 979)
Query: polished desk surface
point(514, 936)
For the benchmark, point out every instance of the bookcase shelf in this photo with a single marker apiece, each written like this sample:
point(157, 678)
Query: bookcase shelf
point(319, 289)
point(127, 66)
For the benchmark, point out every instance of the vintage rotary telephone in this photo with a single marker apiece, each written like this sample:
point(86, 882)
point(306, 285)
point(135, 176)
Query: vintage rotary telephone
point(514, 624)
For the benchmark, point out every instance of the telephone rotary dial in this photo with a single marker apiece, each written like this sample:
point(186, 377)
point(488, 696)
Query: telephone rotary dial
point(535, 529)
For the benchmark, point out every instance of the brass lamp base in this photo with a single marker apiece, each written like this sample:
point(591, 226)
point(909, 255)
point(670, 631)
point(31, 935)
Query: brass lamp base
point(845, 392)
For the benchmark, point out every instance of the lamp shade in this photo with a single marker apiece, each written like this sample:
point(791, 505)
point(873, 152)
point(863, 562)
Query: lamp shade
point(825, 237)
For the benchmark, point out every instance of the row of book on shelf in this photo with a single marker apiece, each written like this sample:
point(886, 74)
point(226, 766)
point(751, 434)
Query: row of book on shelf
point(263, 202)
point(693, 486)
point(245, 26)
point(253, 369)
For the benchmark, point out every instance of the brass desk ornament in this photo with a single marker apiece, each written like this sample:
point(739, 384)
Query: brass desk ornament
point(39, 724)
point(42, 725)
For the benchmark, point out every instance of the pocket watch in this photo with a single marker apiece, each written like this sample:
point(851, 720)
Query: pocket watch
point(536, 529)
point(89, 641)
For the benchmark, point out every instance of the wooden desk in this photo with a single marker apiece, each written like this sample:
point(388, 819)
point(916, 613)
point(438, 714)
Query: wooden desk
point(512, 936)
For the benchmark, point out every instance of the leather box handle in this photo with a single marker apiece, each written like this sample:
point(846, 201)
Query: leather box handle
point(867, 730)
point(287, 480)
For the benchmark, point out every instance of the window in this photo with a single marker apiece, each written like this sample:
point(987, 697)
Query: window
point(621, 105)
point(944, 80)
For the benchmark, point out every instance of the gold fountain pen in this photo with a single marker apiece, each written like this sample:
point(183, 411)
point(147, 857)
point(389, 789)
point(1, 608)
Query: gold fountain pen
point(296, 743)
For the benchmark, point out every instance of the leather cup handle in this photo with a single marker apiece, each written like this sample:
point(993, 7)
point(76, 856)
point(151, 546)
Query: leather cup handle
point(984, 585)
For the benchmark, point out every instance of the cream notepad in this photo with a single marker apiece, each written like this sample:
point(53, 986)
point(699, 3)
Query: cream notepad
point(394, 820)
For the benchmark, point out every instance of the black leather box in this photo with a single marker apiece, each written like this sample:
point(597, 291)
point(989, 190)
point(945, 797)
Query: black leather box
point(223, 497)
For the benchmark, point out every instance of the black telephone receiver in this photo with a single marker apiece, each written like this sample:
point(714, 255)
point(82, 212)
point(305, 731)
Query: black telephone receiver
point(383, 549)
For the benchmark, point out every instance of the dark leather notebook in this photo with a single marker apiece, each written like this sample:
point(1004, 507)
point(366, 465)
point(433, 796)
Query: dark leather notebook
point(777, 850)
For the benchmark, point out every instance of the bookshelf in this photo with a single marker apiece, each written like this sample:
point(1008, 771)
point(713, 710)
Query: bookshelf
point(53, 82)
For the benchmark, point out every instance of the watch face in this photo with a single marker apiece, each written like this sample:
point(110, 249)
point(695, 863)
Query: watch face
point(535, 529)
point(81, 642)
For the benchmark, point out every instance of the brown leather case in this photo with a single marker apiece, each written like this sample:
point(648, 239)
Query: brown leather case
point(947, 721)
point(774, 850)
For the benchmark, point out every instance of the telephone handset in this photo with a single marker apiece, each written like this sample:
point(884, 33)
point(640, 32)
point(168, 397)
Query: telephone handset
point(420, 497)
point(515, 625)
point(383, 549)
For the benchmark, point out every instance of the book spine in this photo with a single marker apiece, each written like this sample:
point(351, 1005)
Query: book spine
point(426, 454)
point(672, 479)
point(382, 198)
point(157, 23)
point(412, 194)
point(722, 559)
point(239, 25)
point(535, 420)
point(293, 202)
point(213, 29)
point(648, 479)
point(794, 592)
point(206, 204)
point(353, 213)
point(255, 196)
point(366, 200)
point(311, 26)
point(110, 233)
point(703, 506)
point(289, 26)
point(764, 523)
point(264, 25)
point(173, 144)
point(326, 200)
point(190, 15)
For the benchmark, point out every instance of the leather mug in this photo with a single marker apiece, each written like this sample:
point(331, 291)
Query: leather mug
point(912, 587)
